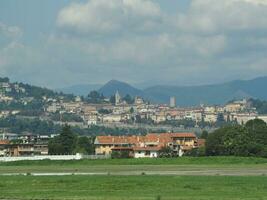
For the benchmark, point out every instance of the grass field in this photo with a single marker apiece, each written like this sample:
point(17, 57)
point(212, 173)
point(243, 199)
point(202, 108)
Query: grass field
point(223, 160)
point(218, 178)
point(138, 165)
point(133, 187)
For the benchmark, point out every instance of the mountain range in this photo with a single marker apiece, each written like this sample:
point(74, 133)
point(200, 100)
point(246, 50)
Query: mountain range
point(185, 95)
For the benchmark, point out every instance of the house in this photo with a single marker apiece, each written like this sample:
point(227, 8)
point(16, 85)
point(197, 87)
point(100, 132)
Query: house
point(20, 150)
point(146, 146)
point(3, 147)
point(146, 152)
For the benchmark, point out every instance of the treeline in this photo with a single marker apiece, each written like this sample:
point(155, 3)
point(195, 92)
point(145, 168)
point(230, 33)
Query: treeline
point(32, 125)
point(30, 108)
point(65, 117)
point(236, 140)
point(15, 124)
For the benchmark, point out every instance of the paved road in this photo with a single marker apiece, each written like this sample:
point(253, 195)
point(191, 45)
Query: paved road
point(207, 172)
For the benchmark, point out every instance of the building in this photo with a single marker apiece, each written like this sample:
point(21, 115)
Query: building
point(173, 102)
point(145, 146)
point(3, 147)
point(117, 98)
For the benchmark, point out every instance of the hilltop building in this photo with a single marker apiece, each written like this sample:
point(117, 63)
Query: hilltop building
point(117, 98)
point(172, 102)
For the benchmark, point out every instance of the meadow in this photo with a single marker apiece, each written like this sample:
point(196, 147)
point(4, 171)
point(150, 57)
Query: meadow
point(133, 187)
point(138, 165)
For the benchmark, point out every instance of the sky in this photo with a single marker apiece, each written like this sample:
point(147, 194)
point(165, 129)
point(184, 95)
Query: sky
point(176, 42)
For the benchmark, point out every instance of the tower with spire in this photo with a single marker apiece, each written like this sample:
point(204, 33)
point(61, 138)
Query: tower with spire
point(117, 98)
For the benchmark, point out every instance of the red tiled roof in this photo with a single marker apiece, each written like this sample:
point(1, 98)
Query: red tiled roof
point(162, 138)
point(183, 135)
point(2, 142)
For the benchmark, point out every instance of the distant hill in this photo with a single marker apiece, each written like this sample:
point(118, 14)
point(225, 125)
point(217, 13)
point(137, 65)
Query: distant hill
point(185, 95)
point(112, 86)
point(81, 90)
point(209, 94)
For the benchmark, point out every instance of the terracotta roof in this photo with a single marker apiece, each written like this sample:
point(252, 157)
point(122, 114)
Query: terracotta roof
point(161, 139)
point(118, 139)
point(3, 142)
point(184, 135)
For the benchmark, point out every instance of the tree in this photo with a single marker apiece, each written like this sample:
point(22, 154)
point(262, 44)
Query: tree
point(104, 111)
point(128, 99)
point(204, 134)
point(248, 140)
point(65, 143)
point(85, 145)
point(95, 97)
point(112, 99)
point(167, 152)
point(220, 120)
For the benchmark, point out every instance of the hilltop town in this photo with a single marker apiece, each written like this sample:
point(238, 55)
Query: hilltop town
point(31, 116)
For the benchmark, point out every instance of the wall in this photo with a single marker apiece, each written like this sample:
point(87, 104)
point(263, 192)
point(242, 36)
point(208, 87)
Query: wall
point(54, 157)
point(141, 154)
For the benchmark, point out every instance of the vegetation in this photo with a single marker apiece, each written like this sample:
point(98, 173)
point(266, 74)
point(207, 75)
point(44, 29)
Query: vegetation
point(133, 187)
point(15, 124)
point(166, 152)
point(69, 143)
point(95, 97)
point(66, 117)
point(104, 111)
point(36, 126)
point(128, 99)
point(247, 140)
point(186, 123)
point(261, 106)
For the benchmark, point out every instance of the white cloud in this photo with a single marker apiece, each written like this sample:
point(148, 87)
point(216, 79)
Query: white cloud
point(101, 16)
point(136, 39)
point(10, 31)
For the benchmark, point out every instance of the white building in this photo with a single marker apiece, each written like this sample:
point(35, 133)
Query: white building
point(172, 102)
point(146, 152)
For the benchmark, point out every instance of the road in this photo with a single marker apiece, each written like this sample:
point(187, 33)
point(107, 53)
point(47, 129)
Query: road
point(180, 172)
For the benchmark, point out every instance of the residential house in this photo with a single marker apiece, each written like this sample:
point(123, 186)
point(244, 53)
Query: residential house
point(146, 146)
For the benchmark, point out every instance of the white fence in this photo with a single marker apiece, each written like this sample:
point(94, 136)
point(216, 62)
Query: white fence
point(54, 157)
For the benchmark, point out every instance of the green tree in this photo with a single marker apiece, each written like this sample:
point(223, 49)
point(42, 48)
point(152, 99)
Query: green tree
point(128, 99)
point(85, 145)
point(95, 97)
point(166, 152)
point(65, 143)
point(204, 134)
point(248, 140)
point(112, 99)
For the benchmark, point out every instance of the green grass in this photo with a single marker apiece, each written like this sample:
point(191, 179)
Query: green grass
point(130, 165)
point(147, 161)
point(133, 187)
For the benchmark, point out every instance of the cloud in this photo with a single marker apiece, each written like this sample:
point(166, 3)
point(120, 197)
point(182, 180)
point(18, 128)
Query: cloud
point(136, 40)
point(10, 31)
point(106, 17)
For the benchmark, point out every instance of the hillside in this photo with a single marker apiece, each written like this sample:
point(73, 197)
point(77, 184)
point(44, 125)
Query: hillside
point(185, 95)
point(112, 86)
point(81, 90)
point(209, 94)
